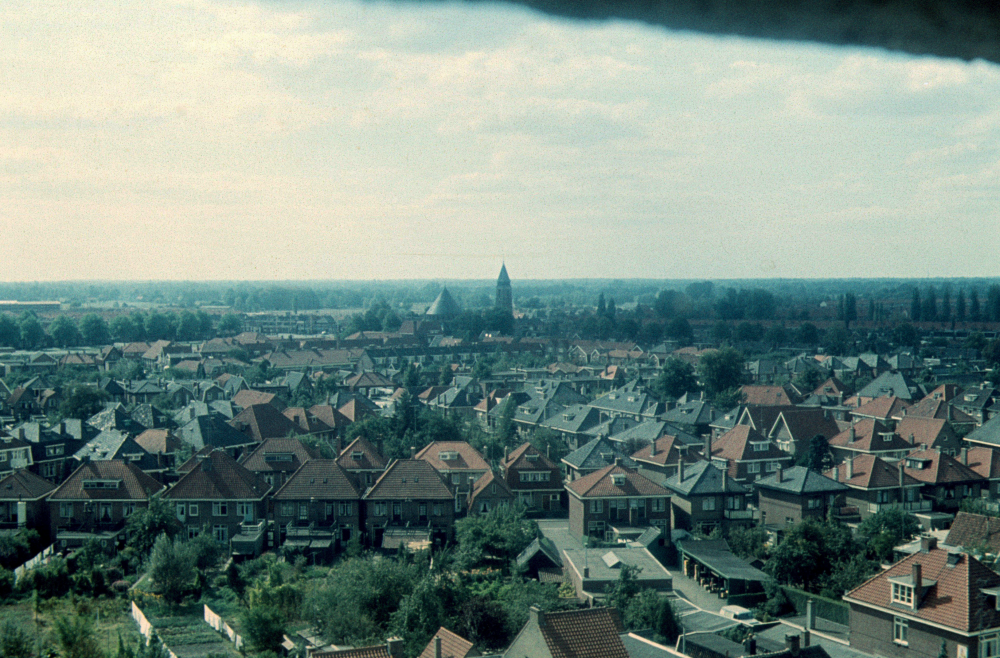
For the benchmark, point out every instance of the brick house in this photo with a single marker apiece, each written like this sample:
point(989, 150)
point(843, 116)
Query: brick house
point(410, 494)
point(489, 492)
point(363, 462)
point(534, 478)
point(23, 502)
point(874, 485)
point(929, 599)
point(946, 481)
point(615, 497)
point(95, 500)
point(318, 503)
point(218, 494)
point(459, 464)
point(794, 494)
point(275, 460)
point(658, 460)
point(704, 497)
point(748, 454)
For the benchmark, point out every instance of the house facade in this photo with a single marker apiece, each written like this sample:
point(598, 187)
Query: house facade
point(616, 497)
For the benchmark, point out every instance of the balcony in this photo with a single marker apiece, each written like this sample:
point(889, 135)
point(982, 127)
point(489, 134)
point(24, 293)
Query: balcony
point(739, 514)
point(911, 506)
point(250, 539)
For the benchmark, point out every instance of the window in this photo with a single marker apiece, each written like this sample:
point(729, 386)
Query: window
point(397, 509)
point(772, 467)
point(193, 509)
point(708, 504)
point(759, 446)
point(438, 510)
point(527, 498)
point(753, 467)
point(344, 509)
point(181, 510)
point(882, 496)
point(303, 512)
point(423, 511)
point(814, 503)
point(989, 646)
point(128, 509)
point(902, 594)
point(66, 510)
point(220, 533)
point(288, 509)
point(381, 509)
point(220, 509)
point(193, 531)
point(659, 504)
point(900, 628)
point(596, 506)
point(105, 512)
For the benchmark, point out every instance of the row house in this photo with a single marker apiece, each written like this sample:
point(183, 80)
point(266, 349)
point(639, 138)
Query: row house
point(869, 437)
point(704, 497)
point(318, 507)
point(459, 464)
point(23, 502)
point(95, 500)
point(594, 456)
point(363, 462)
point(488, 493)
point(946, 480)
point(614, 499)
point(747, 454)
point(534, 479)
point(274, 460)
point(874, 485)
point(218, 495)
point(412, 497)
point(797, 494)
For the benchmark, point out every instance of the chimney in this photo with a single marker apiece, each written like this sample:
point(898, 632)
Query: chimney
point(901, 479)
point(918, 585)
point(950, 412)
point(810, 615)
point(912, 439)
point(849, 469)
point(780, 473)
point(750, 645)
point(652, 447)
point(927, 543)
point(437, 646)
point(395, 647)
point(708, 447)
point(965, 456)
point(548, 451)
point(792, 643)
point(506, 452)
point(680, 469)
point(413, 452)
point(20, 433)
point(851, 435)
point(618, 461)
point(725, 478)
point(537, 616)
point(836, 474)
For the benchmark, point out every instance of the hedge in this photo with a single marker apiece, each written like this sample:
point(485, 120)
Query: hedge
point(836, 611)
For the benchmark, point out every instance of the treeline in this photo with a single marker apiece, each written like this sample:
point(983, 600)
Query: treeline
point(940, 306)
point(27, 331)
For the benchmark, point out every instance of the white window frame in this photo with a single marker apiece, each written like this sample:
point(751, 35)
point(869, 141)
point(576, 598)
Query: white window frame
point(220, 509)
point(597, 507)
point(753, 467)
point(708, 504)
point(193, 509)
point(900, 631)
point(989, 645)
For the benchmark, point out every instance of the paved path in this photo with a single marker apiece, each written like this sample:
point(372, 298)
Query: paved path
point(689, 589)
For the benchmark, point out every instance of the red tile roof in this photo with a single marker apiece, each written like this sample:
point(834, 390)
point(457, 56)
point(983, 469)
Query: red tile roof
point(933, 467)
point(882, 408)
point(159, 441)
point(973, 530)
point(377, 651)
point(589, 633)
point(931, 408)
point(282, 454)
point(248, 397)
point(133, 483)
point(955, 600)
point(869, 436)
point(328, 415)
point(217, 476)
point(870, 472)
point(601, 484)
point(262, 421)
point(737, 445)
point(768, 396)
point(984, 461)
point(452, 645)
point(22, 484)
point(306, 420)
point(321, 479)
point(927, 432)
point(467, 458)
point(370, 459)
point(666, 452)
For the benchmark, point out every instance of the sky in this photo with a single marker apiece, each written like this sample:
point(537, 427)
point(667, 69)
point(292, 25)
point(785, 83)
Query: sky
point(232, 140)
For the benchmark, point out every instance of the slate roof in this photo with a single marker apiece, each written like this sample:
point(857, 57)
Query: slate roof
point(597, 454)
point(870, 472)
point(601, 484)
point(22, 484)
point(150, 417)
point(113, 444)
point(892, 384)
point(543, 546)
point(987, 433)
point(955, 600)
point(322, 479)
point(719, 557)
point(576, 418)
point(262, 459)
point(452, 645)
point(444, 305)
point(653, 429)
point(369, 460)
point(212, 430)
point(217, 476)
point(135, 485)
point(701, 479)
point(933, 467)
point(588, 633)
point(971, 530)
point(368, 379)
point(409, 479)
point(263, 421)
point(696, 412)
point(800, 480)
point(115, 417)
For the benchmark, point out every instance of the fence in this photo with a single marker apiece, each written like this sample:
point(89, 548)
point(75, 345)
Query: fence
point(33, 562)
point(216, 622)
point(146, 628)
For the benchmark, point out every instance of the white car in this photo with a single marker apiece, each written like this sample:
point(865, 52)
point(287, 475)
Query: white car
point(739, 613)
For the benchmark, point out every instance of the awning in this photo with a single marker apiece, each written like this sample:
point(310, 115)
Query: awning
point(717, 556)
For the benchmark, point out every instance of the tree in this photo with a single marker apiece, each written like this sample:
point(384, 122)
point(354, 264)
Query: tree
point(10, 332)
point(807, 333)
point(810, 551)
point(885, 530)
point(680, 330)
point(930, 310)
point(83, 402)
point(123, 328)
point(676, 378)
point(623, 590)
point(975, 313)
point(264, 628)
point(916, 308)
point(960, 305)
point(721, 331)
point(146, 524)
point(817, 456)
point(75, 637)
point(749, 543)
point(32, 334)
point(64, 331)
point(94, 330)
point(946, 304)
point(494, 538)
point(171, 566)
point(721, 370)
point(188, 327)
point(14, 642)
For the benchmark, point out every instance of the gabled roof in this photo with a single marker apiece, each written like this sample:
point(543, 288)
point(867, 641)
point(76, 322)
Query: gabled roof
point(277, 454)
point(831, 388)
point(927, 432)
point(870, 436)
point(133, 484)
point(597, 454)
point(485, 480)
point(466, 458)
point(738, 445)
point(939, 409)
point(892, 384)
point(263, 421)
point(804, 424)
point(361, 455)
point(666, 452)
point(701, 479)
point(22, 484)
point(988, 433)
point(800, 480)
point(588, 633)
point(212, 430)
point(933, 467)
point(159, 441)
point(329, 415)
point(973, 530)
point(615, 481)
point(368, 379)
point(249, 397)
point(322, 479)
point(112, 444)
point(695, 412)
point(540, 545)
point(768, 396)
point(307, 422)
point(985, 461)
point(409, 479)
point(518, 459)
point(955, 600)
point(452, 646)
point(870, 472)
point(217, 476)
point(882, 408)
point(114, 417)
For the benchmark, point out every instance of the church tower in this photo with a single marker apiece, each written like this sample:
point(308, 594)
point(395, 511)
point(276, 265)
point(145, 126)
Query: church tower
point(505, 298)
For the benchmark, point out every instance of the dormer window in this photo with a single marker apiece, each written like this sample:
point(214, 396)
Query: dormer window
point(618, 479)
point(447, 455)
point(759, 446)
point(101, 484)
point(278, 457)
point(357, 455)
point(902, 594)
point(531, 458)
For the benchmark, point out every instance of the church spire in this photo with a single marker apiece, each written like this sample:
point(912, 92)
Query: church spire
point(505, 297)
